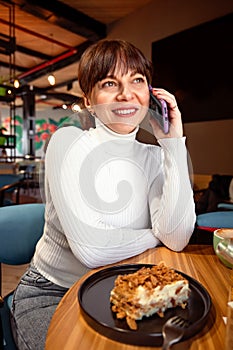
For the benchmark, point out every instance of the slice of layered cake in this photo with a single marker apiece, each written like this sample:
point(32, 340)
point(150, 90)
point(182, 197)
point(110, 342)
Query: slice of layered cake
point(148, 291)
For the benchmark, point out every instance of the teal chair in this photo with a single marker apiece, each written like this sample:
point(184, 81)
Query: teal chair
point(10, 183)
point(207, 223)
point(21, 227)
point(214, 220)
point(225, 206)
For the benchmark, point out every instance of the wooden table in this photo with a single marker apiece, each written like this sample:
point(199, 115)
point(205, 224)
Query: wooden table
point(68, 330)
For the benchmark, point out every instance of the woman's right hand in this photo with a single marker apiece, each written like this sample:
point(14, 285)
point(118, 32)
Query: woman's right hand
point(174, 116)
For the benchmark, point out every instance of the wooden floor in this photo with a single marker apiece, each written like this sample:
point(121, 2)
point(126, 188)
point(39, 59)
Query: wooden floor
point(10, 277)
point(30, 196)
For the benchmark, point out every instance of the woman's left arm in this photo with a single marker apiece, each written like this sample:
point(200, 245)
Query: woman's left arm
point(172, 207)
point(171, 197)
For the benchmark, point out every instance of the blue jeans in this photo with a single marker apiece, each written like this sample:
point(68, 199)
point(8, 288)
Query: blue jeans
point(34, 302)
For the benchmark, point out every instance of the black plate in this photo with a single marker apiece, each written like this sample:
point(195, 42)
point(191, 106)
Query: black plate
point(93, 297)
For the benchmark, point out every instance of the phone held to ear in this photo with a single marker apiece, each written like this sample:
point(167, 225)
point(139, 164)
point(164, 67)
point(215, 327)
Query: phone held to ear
point(159, 111)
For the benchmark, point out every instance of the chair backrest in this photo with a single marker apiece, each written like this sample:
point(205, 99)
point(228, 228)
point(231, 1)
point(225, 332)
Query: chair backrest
point(7, 179)
point(225, 206)
point(21, 226)
point(217, 219)
point(9, 184)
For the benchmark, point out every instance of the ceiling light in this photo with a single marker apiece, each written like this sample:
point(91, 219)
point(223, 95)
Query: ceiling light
point(51, 79)
point(16, 83)
point(43, 97)
point(75, 107)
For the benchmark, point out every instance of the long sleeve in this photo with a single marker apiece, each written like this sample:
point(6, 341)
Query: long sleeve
point(95, 238)
point(171, 197)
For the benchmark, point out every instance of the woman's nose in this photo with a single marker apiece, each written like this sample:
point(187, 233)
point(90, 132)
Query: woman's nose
point(125, 93)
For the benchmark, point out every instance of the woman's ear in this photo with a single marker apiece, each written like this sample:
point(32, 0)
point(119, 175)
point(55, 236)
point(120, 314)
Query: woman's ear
point(86, 102)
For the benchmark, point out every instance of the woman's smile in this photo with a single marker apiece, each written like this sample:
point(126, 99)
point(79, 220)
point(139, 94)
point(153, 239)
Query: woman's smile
point(121, 117)
point(125, 112)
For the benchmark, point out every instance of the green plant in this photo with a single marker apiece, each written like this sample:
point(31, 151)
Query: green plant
point(2, 137)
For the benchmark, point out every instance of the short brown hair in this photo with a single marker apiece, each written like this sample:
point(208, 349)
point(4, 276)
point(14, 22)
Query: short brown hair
point(105, 56)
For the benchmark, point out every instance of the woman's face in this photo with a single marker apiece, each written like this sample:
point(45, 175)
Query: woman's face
point(120, 101)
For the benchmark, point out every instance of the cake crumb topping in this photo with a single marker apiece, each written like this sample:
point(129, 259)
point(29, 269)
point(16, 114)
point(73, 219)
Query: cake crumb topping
point(143, 293)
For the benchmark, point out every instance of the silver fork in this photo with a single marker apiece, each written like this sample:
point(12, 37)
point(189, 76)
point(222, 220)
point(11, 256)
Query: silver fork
point(173, 331)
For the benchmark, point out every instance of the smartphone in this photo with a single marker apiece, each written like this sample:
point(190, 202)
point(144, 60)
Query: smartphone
point(159, 111)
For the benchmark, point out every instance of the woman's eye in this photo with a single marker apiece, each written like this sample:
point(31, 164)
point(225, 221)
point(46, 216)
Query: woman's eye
point(108, 83)
point(139, 80)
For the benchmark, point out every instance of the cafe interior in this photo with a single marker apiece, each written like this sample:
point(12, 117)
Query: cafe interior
point(190, 46)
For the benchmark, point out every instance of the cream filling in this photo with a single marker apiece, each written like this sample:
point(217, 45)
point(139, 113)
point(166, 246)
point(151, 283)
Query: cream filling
point(148, 302)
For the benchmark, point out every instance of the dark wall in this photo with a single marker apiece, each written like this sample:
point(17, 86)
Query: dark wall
point(197, 66)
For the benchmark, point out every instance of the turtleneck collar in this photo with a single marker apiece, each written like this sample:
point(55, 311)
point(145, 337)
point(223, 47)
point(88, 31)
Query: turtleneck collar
point(114, 143)
point(108, 134)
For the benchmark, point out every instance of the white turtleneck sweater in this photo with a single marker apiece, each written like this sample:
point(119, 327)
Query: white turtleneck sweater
point(109, 197)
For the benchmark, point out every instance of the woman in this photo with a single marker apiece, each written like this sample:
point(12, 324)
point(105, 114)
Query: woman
point(108, 197)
